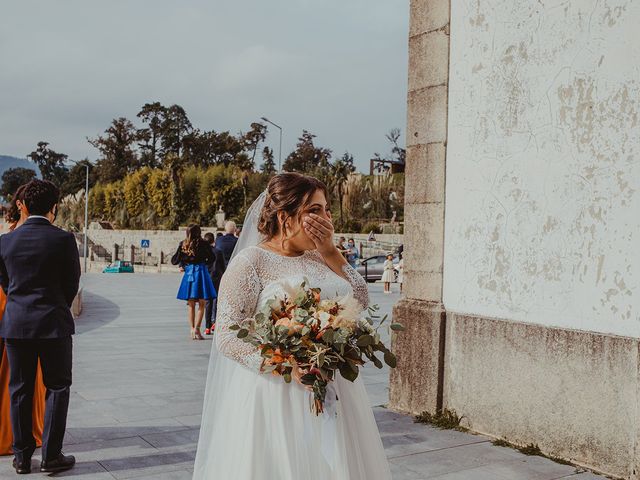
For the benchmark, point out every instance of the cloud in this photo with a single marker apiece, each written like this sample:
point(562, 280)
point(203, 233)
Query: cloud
point(336, 68)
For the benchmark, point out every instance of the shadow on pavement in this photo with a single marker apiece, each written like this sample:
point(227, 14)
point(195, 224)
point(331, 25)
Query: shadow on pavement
point(97, 311)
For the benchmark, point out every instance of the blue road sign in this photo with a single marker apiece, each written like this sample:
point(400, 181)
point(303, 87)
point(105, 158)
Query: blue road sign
point(145, 243)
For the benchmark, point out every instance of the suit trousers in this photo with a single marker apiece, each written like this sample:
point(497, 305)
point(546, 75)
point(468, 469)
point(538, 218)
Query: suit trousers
point(210, 312)
point(56, 362)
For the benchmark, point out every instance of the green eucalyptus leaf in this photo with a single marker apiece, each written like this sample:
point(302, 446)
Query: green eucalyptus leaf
point(243, 333)
point(328, 335)
point(376, 361)
point(397, 327)
point(347, 373)
point(390, 359)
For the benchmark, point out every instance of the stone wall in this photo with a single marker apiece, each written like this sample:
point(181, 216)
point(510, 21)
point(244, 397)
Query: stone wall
point(521, 225)
point(573, 393)
point(167, 240)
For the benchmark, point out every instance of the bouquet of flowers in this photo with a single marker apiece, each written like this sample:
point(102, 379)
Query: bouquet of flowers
point(298, 329)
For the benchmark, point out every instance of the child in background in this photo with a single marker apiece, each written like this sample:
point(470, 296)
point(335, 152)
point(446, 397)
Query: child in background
point(387, 274)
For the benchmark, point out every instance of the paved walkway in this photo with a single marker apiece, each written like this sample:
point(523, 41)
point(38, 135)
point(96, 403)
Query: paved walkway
point(138, 388)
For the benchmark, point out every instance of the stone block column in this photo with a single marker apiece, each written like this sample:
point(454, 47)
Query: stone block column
point(417, 383)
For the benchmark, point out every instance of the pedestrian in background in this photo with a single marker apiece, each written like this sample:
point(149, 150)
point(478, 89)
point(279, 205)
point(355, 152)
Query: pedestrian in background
point(387, 274)
point(227, 242)
point(216, 269)
point(400, 269)
point(196, 287)
point(341, 245)
point(352, 253)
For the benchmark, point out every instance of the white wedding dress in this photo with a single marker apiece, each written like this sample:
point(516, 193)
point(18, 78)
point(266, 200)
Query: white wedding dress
point(255, 426)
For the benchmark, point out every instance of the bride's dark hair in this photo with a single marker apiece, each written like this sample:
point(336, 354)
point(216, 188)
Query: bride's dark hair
point(289, 193)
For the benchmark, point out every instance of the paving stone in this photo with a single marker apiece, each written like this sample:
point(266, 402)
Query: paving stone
point(138, 389)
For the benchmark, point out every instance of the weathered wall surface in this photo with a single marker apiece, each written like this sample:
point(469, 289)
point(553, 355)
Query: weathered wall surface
point(573, 393)
point(543, 169)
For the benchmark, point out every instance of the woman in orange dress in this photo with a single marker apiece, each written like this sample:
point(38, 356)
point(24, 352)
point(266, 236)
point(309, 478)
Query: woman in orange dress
point(16, 217)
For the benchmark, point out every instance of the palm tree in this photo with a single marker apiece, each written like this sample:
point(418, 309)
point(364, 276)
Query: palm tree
point(342, 168)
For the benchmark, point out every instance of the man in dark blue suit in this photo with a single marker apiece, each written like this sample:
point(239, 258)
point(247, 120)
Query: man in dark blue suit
point(40, 273)
point(216, 267)
point(227, 242)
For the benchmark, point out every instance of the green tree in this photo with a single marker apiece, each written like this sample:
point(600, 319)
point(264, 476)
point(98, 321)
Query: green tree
point(117, 147)
point(175, 126)
point(50, 163)
point(174, 165)
point(190, 192)
point(114, 206)
point(221, 187)
point(252, 139)
point(398, 153)
point(14, 178)
point(309, 159)
point(77, 178)
point(135, 192)
point(153, 115)
point(268, 166)
point(211, 148)
point(342, 168)
point(158, 192)
point(97, 202)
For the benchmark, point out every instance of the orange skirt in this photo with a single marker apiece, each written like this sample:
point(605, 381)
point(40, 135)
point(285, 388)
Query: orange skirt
point(6, 436)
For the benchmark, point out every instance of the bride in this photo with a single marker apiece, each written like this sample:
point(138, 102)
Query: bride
point(255, 426)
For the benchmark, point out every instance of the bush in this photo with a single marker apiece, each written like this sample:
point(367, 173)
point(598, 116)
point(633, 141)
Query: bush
point(135, 196)
point(370, 227)
point(348, 226)
point(159, 193)
point(220, 187)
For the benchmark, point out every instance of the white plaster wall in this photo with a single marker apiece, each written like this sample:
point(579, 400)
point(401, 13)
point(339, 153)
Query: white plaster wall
point(542, 218)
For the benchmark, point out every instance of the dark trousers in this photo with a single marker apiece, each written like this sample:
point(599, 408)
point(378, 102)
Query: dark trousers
point(55, 360)
point(210, 312)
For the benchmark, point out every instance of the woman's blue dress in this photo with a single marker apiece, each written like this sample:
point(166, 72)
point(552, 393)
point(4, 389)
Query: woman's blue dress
point(196, 283)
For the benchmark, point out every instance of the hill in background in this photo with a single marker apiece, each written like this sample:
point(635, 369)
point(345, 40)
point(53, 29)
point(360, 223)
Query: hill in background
point(7, 162)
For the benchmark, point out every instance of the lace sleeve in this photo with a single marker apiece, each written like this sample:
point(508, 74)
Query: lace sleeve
point(359, 286)
point(238, 297)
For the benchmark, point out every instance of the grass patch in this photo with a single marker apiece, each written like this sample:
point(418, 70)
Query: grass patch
point(502, 443)
point(445, 420)
point(531, 449)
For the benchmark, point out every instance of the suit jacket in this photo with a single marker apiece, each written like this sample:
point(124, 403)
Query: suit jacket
point(216, 267)
point(40, 273)
point(226, 244)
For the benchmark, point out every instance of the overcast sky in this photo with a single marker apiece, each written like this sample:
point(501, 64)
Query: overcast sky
point(334, 67)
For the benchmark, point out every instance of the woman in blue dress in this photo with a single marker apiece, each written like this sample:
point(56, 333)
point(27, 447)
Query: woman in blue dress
point(193, 255)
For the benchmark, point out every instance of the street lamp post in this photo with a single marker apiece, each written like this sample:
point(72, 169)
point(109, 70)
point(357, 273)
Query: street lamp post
point(86, 217)
point(280, 149)
point(86, 214)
